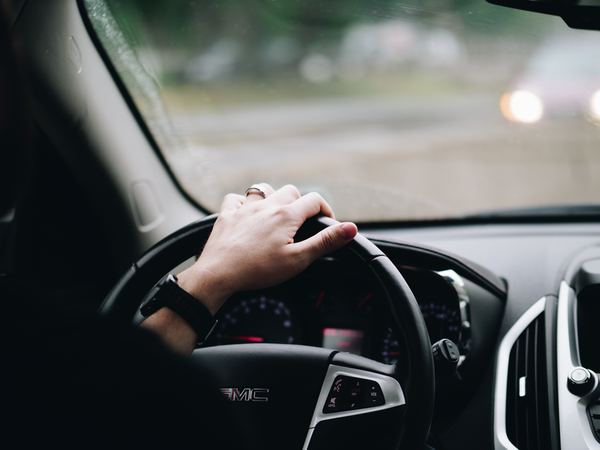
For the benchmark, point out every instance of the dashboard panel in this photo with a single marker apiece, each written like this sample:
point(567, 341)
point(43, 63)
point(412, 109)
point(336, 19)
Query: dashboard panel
point(338, 308)
point(534, 258)
point(338, 305)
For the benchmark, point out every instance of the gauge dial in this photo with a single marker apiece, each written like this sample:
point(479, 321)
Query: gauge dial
point(442, 320)
point(255, 320)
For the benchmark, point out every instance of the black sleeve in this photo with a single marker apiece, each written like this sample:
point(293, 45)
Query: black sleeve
point(82, 382)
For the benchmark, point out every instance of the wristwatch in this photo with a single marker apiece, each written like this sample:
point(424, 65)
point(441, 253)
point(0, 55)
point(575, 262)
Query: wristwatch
point(184, 304)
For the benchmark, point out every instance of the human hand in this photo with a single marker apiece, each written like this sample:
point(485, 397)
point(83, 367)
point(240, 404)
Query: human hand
point(251, 246)
point(252, 243)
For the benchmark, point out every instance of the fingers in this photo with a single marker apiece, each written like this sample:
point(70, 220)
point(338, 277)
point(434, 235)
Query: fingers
point(285, 195)
point(326, 241)
point(232, 202)
point(303, 206)
point(310, 205)
point(267, 189)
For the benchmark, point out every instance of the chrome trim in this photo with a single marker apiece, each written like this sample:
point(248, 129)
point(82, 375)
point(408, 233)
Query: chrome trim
point(464, 307)
point(523, 387)
point(393, 395)
point(575, 429)
point(501, 441)
point(308, 438)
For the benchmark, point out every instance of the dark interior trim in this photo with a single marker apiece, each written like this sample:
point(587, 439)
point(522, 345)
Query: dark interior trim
point(428, 256)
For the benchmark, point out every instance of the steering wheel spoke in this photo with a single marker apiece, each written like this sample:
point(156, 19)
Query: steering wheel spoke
point(350, 392)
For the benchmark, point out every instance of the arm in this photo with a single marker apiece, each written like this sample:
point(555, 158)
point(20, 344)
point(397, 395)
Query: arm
point(251, 247)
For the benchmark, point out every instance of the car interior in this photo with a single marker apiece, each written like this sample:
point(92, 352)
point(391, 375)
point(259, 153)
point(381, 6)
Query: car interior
point(463, 316)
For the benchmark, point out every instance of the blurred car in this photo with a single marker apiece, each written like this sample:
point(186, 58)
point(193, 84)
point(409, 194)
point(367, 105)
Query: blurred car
point(562, 80)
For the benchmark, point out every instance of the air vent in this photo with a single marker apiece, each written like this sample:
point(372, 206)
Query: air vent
point(527, 422)
point(594, 415)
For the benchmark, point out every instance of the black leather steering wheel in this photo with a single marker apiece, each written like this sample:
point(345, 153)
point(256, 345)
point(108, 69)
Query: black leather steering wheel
point(292, 396)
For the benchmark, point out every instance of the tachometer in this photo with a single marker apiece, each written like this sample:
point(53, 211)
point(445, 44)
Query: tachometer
point(255, 320)
point(443, 321)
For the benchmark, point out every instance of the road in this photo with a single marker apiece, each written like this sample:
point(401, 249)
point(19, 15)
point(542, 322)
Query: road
point(391, 158)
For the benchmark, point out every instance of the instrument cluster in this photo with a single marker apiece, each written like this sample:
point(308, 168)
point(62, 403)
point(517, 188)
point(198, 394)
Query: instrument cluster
point(336, 307)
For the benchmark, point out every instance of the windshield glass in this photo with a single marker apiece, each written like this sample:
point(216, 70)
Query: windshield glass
point(392, 110)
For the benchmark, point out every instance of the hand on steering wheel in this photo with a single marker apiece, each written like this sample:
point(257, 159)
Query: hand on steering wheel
point(250, 247)
point(300, 380)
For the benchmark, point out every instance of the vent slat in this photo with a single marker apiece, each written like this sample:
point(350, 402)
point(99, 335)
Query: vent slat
point(527, 422)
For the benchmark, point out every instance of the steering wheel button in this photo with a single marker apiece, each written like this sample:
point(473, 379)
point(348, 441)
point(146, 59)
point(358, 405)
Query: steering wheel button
point(337, 385)
point(374, 395)
point(331, 405)
point(350, 393)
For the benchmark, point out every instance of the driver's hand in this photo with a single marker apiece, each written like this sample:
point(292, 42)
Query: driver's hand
point(252, 247)
point(252, 243)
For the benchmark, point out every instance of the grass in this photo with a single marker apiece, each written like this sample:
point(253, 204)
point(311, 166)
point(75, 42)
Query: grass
point(188, 97)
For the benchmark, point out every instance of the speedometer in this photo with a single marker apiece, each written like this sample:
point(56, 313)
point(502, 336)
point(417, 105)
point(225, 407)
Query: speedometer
point(442, 320)
point(254, 320)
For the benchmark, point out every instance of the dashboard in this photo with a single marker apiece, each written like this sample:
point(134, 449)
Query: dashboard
point(521, 400)
point(506, 287)
point(335, 306)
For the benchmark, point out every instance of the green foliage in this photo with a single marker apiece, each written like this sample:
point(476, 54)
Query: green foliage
point(190, 23)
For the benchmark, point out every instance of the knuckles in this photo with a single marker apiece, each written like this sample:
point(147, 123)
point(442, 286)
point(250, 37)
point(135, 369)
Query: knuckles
point(314, 195)
point(293, 191)
point(316, 198)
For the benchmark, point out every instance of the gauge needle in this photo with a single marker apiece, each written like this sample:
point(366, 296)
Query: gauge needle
point(247, 338)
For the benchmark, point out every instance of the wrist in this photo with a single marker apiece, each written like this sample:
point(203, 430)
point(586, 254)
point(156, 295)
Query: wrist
point(205, 285)
point(174, 331)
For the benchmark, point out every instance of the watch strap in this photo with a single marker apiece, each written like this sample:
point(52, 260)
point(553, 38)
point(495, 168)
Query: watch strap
point(185, 305)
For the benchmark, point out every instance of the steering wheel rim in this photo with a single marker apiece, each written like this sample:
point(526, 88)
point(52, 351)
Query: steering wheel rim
point(124, 300)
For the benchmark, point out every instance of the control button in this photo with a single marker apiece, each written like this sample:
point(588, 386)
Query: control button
point(374, 394)
point(350, 393)
point(446, 356)
point(581, 381)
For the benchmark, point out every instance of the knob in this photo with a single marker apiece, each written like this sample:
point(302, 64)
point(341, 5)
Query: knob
point(581, 381)
point(446, 356)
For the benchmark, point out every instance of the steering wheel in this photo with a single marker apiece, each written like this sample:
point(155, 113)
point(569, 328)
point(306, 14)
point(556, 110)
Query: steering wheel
point(294, 396)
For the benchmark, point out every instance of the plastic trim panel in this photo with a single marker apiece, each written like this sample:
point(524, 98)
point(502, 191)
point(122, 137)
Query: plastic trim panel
point(501, 441)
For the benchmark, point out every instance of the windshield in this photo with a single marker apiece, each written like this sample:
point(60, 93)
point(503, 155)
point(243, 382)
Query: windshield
point(392, 110)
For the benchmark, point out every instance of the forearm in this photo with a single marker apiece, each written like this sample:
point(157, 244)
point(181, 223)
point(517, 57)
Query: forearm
point(172, 329)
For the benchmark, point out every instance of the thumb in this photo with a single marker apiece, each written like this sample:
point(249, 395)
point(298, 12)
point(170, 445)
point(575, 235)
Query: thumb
point(328, 240)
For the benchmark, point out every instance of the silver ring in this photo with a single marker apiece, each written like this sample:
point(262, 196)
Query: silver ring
point(254, 189)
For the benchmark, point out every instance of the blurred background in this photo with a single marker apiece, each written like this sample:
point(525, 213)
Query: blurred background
point(393, 110)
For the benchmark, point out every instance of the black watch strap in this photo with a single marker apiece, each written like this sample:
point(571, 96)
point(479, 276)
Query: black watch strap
point(185, 305)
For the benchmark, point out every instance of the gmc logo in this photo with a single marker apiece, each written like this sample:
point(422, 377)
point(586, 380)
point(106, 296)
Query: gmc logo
point(246, 394)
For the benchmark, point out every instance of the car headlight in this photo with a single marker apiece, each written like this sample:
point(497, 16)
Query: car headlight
point(595, 105)
point(522, 106)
